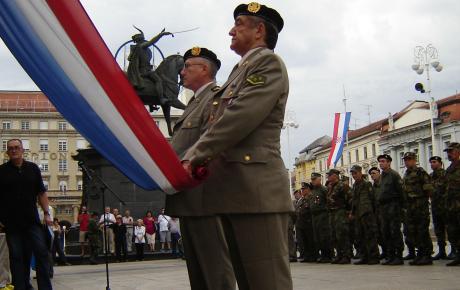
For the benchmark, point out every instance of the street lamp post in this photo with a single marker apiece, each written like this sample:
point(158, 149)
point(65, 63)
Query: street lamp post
point(423, 57)
point(290, 123)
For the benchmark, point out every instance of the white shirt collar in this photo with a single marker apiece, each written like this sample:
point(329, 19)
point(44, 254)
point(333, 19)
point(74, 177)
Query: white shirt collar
point(202, 88)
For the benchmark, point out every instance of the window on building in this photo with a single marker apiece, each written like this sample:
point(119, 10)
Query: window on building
point(357, 155)
point(416, 154)
point(46, 184)
point(430, 151)
point(43, 125)
point(80, 185)
point(6, 125)
point(25, 144)
point(63, 186)
point(401, 159)
point(4, 145)
point(43, 144)
point(44, 165)
point(349, 157)
point(374, 150)
point(25, 125)
point(62, 165)
point(365, 152)
point(62, 126)
point(320, 165)
point(62, 145)
point(81, 144)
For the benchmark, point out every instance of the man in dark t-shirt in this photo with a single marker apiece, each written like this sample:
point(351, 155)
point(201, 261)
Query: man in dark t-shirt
point(21, 187)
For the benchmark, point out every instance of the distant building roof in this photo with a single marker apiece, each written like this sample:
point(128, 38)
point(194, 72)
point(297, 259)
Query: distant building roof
point(320, 142)
point(25, 101)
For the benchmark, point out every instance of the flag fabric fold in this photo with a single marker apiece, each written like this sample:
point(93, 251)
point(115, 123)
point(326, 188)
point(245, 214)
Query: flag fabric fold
point(58, 46)
point(341, 122)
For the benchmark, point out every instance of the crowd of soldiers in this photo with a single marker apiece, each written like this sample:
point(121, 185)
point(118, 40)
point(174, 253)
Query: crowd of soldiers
point(335, 223)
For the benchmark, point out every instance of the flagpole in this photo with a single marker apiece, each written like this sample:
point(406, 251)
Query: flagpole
point(347, 149)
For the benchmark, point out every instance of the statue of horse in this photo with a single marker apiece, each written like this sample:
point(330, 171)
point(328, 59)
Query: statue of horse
point(161, 87)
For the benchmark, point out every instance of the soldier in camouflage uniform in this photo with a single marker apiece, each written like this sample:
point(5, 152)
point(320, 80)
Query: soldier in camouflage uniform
point(374, 172)
point(438, 205)
point(304, 226)
point(453, 198)
point(93, 235)
point(390, 203)
point(362, 211)
point(320, 218)
point(417, 191)
point(338, 199)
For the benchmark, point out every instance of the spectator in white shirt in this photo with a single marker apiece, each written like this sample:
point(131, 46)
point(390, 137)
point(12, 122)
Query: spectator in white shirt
point(165, 234)
point(139, 239)
point(129, 222)
point(109, 221)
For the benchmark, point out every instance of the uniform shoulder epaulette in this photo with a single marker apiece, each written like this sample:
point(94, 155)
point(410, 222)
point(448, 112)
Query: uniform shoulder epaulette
point(215, 89)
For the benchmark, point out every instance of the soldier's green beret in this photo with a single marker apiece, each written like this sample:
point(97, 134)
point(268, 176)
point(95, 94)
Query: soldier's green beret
point(436, 158)
point(356, 168)
point(410, 155)
point(384, 156)
point(315, 175)
point(453, 146)
point(262, 11)
point(202, 52)
point(333, 171)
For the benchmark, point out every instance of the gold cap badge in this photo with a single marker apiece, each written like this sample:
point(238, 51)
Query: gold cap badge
point(196, 51)
point(253, 7)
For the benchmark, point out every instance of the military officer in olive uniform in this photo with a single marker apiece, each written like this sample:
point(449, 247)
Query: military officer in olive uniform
point(199, 228)
point(417, 191)
point(374, 172)
point(453, 198)
point(363, 213)
point(320, 218)
point(248, 187)
point(438, 205)
point(390, 202)
point(338, 201)
point(304, 226)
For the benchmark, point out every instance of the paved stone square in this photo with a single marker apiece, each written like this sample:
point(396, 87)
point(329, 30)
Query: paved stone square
point(172, 275)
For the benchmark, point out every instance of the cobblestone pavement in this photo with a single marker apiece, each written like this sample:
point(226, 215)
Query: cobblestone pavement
point(172, 275)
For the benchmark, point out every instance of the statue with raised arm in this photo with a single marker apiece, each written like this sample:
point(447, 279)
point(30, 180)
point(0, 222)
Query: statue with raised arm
point(140, 56)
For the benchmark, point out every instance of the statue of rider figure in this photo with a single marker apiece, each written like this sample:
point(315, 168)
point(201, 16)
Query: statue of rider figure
point(140, 67)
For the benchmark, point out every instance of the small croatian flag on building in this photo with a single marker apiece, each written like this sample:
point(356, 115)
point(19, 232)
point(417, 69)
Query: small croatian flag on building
point(341, 122)
point(58, 46)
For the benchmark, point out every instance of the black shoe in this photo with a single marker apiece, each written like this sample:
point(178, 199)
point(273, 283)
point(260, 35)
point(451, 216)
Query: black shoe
point(425, 260)
point(373, 262)
point(324, 260)
point(396, 261)
point(361, 262)
point(451, 255)
point(387, 261)
point(292, 259)
point(455, 262)
point(440, 256)
point(415, 261)
point(382, 256)
point(343, 261)
point(409, 256)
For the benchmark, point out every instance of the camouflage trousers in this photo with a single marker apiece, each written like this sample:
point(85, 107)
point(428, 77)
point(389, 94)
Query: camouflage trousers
point(390, 215)
point(440, 221)
point(380, 236)
point(322, 232)
point(340, 232)
point(453, 227)
point(418, 222)
point(367, 231)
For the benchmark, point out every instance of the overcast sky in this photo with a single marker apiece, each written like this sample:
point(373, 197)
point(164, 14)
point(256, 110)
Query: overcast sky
point(365, 46)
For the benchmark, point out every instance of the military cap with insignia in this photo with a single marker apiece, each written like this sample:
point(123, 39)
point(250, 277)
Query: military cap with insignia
point(410, 155)
point(262, 11)
point(356, 168)
point(202, 52)
point(333, 171)
point(453, 146)
point(436, 158)
point(384, 156)
point(315, 175)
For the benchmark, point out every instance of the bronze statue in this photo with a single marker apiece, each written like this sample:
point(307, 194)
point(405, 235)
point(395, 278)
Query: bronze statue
point(158, 87)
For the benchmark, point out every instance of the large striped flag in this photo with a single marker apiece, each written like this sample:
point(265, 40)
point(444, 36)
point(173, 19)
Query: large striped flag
point(341, 122)
point(61, 50)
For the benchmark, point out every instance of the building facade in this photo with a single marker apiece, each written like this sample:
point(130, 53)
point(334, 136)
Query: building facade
point(50, 142)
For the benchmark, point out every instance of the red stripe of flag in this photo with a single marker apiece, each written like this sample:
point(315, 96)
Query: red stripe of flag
point(334, 138)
